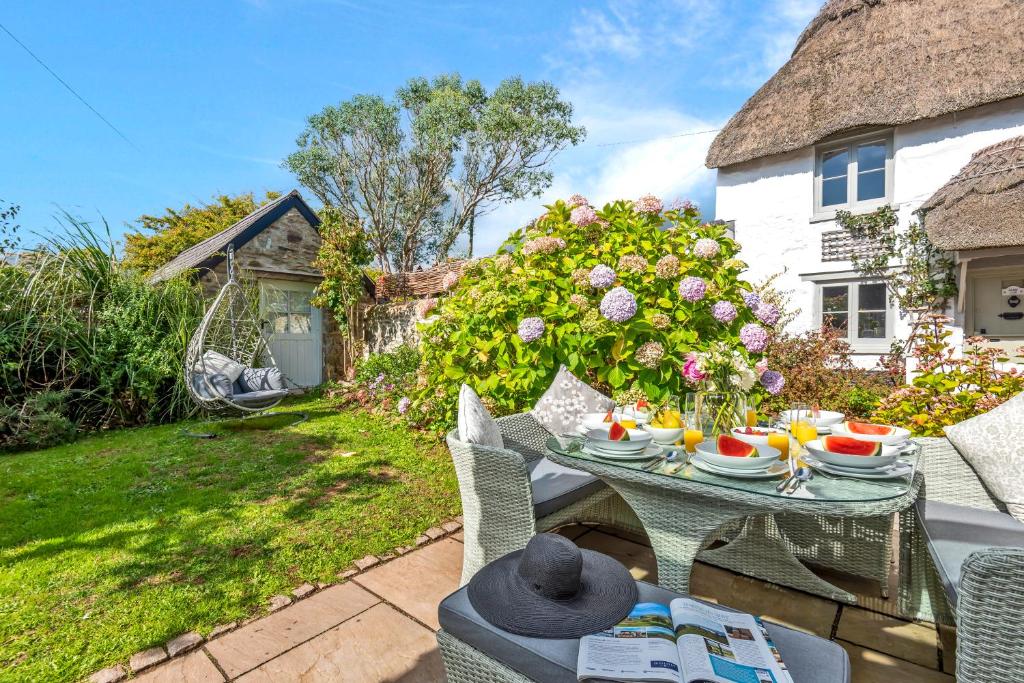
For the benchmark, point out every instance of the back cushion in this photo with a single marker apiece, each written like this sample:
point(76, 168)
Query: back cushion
point(218, 363)
point(476, 424)
point(562, 407)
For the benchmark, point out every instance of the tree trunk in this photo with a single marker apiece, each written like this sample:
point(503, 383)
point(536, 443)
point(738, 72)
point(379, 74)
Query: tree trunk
point(472, 221)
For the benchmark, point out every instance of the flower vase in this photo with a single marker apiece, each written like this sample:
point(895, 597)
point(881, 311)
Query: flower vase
point(718, 413)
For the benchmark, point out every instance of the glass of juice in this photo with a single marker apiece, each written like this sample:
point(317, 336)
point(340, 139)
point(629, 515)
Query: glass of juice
point(751, 417)
point(780, 440)
point(692, 437)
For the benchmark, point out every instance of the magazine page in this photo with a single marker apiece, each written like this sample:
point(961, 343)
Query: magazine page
point(640, 648)
point(724, 646)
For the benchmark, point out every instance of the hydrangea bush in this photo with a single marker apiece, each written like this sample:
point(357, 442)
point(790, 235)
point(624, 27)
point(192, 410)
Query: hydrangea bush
point(622, 296)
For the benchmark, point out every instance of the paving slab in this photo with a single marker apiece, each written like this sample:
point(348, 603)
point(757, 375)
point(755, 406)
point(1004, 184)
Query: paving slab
point(917, 643)
point(403, 582)
point(193, 668)
point(380, 644)
point(247, 647)
point(874, 667)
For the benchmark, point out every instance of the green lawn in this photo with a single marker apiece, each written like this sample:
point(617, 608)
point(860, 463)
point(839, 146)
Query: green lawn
point(124, 540)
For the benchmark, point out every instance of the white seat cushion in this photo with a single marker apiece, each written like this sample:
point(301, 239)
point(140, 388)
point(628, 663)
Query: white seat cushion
point(991, 443)
point(476, 424)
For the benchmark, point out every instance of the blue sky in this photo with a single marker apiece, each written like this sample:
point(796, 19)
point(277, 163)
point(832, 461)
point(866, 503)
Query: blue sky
point(213, 94)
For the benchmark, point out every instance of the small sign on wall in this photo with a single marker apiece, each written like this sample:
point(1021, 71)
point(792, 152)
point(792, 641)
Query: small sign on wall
point(1013, 290)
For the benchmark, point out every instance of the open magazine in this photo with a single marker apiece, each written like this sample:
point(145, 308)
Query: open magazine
point(682, 642)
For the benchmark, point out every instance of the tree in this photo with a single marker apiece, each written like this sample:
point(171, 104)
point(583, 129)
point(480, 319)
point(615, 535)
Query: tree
point(415, 173)
point(9, 239)
point(343, 253)
point(179, 229)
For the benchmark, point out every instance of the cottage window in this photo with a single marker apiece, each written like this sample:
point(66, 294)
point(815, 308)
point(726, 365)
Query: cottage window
point(853, 175)
point(860, 311)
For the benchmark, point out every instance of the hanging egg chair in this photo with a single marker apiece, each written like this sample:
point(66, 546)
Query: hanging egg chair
point(221, 362)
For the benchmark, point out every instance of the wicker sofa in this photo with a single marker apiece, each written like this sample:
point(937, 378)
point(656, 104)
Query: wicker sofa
point(963, 563)
point(511, 493)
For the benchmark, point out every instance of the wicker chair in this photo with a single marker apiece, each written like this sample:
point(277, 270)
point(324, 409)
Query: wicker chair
point(499, 507)
point(986, 600)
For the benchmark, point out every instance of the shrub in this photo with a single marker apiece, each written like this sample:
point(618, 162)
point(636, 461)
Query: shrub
point(384, 380)
point(620, 296)
point(40, 421)
point(818, 370)
point(948, 388)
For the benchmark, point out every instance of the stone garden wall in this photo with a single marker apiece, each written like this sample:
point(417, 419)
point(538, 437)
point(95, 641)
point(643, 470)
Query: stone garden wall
point(388, 326)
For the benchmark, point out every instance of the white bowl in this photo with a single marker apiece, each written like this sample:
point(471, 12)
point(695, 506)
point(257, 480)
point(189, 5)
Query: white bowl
point(642, 416)
point(888, 456)
point(754, 439)
point(665, 435)
point(638, 441)
point(596, 420)
point(899, 436)
point(826, 418)
point(766, 457)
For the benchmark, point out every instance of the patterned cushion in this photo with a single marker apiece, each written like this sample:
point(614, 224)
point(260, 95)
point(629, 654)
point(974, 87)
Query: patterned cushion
point(562, 407)
point(218, 363)
point(476, 424)
point(991, 444)
point(261, 379)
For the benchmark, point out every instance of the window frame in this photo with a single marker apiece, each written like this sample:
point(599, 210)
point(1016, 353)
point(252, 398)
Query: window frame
point(851, 144)
point(857, 344)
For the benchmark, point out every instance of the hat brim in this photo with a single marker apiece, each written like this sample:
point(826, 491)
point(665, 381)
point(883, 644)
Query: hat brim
point(500, 595)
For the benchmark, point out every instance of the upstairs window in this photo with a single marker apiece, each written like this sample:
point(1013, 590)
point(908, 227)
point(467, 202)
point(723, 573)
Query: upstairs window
point(853, 175)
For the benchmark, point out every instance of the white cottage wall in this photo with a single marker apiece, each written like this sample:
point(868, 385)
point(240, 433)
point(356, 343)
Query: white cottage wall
point(771, 200)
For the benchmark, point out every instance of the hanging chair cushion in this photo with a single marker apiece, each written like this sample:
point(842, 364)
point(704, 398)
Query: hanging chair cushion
point(257, 399)
point(214, 363)
point(212, 386)
point(259, 379)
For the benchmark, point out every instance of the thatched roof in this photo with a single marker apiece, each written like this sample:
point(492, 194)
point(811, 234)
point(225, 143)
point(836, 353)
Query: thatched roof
point(864, 63)
point(416, 284)
point(983, 205)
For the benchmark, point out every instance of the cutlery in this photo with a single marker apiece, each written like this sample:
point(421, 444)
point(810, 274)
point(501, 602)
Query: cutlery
point(657, 462)
point(802, 474)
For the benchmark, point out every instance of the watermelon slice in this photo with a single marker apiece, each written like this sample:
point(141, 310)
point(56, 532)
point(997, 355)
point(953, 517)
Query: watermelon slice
point(735, 448)
point(845, 445)
point(618, 433)
point(642, 404)
point(869, 429)
point(608, 417)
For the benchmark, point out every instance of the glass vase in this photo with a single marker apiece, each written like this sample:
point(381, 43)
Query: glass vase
point(718, 413)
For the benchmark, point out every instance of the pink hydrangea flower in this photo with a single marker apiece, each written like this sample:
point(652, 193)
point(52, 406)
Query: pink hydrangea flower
point(754, 337)
point(530, 329)
point(583, 216)
point(425, 306)
point(544, 245)
point(706, 248)
point(667, 267)
point(577, 200)
point(693, 288)
point(649, 354)
point(767, 313)
point(648, 204)
point(451, 278)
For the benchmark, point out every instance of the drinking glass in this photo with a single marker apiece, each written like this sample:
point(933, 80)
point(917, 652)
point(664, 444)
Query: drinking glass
point(801, 424)
point(693, 433)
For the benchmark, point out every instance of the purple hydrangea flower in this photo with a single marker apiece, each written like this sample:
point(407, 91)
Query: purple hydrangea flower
point(706, 248)
point(583, 216)
point(767, 313)
point(773, 381)
point(403, 405)
point(751, 300)
point(602, 277)
point(754, 337)
point(724, 312)
point(618, 305)
point(693, 288)
point(531, 329)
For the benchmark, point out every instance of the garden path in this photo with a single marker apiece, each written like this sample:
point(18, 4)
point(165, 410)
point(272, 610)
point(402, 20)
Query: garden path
point(379, 625)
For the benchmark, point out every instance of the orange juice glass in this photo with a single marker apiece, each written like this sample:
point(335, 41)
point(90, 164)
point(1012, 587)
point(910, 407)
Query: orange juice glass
point(751, 418)
point(780, 440)
point(692, 437)
point(804, 431)
point(628, 423)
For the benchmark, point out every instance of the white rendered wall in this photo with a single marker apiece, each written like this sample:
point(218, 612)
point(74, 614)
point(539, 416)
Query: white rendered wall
point(771, 200)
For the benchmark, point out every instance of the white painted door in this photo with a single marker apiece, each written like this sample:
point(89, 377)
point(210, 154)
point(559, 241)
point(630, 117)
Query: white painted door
point(994, 313)
point(295, 329)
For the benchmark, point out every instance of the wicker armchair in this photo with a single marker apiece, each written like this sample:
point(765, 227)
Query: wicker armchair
point(499, 510)
point(987, 601)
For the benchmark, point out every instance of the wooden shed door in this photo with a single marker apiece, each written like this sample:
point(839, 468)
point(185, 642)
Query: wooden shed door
point(295, 327)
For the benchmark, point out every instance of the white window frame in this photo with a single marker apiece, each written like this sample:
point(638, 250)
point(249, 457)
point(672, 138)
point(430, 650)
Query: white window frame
point(857, 344)
point(852, 205)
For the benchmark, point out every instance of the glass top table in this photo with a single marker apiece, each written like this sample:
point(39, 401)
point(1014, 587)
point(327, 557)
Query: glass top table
point(685, 509)
point(824, 487)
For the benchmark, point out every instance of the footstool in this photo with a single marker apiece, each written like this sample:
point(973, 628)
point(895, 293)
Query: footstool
point(476, 652)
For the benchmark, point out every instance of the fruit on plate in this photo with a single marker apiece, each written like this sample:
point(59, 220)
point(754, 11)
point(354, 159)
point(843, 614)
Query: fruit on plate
point(608, 417)
point(869, 429)
point(733, 447)
point(618, 433)
point(667, 419)
point(642, 404)
point(845, 445)
point(753, 431)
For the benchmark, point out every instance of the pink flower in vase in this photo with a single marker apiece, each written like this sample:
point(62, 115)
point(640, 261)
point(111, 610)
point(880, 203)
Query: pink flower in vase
point(691, 369)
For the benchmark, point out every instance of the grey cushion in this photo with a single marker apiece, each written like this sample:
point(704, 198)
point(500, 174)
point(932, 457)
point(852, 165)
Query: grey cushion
point(213, 362)
point(475, 423)
point(810, 659)
point(555, 487)
point(259, 399)
point(955, 531)
point(260, 379)
point(222, 385)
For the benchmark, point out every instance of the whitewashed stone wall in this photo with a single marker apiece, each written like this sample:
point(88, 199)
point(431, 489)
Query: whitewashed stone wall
point(388, 326)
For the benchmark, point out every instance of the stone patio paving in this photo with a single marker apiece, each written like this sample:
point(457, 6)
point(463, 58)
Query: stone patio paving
point(379, 625)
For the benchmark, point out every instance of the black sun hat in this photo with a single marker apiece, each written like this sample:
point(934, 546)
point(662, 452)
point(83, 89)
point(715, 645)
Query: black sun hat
point(552, 589)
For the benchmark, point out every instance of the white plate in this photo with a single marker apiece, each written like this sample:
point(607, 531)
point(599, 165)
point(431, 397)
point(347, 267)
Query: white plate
point(777, 469)
point(898, 470)
point(897, 438)
point(866, 462)
point(638, 440)
point(766, 455)
point(753, 439)
point(651, 451)
point(826, 418)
